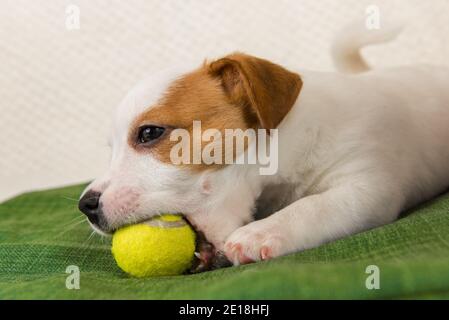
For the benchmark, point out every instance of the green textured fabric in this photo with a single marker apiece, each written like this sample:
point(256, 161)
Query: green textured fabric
point(42, 233)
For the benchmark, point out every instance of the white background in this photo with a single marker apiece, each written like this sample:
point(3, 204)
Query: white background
point(58, 87)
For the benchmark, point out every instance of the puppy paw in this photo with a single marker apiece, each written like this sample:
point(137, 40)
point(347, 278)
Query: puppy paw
point(256, 241)
point(207, 257)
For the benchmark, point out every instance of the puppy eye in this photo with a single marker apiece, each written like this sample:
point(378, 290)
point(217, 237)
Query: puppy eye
point(149, 133)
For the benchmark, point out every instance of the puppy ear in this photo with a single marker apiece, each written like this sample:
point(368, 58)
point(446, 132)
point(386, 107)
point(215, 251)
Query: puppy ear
point(267, 89)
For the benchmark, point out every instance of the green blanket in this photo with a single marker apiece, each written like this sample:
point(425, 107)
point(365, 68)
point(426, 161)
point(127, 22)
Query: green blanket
point(42, 233)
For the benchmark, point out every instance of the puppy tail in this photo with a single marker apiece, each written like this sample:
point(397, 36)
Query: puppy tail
point(346, 49)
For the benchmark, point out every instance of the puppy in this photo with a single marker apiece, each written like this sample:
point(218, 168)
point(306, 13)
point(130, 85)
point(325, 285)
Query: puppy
point(354, 148)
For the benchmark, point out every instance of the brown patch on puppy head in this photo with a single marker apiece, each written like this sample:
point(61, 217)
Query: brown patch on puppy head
point(197, 96)
point(265, 88)
point(235, 92)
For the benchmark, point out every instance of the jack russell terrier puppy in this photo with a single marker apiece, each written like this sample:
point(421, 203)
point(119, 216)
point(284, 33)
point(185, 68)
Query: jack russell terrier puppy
point(354, 150)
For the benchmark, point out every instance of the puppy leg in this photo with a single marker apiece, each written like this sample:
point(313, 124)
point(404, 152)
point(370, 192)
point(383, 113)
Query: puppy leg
point(313, 220)
point(213, 228)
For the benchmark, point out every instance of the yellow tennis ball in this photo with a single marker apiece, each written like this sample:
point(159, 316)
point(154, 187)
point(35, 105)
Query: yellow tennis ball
point(162, 246)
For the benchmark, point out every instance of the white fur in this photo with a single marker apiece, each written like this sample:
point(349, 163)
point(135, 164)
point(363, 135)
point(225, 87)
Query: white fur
point(354, 151)
point(358, 151)
point(353, 38)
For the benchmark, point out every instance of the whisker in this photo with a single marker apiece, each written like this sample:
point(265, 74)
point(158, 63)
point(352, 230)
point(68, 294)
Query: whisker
point(70, 227)
point(81, 216)
point(69, 198)
point(91, 235)
point(45, 248)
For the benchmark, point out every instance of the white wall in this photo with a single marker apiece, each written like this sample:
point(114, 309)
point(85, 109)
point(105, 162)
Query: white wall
point(58, 87)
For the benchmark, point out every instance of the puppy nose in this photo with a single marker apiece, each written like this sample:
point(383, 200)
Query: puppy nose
point(89, 204)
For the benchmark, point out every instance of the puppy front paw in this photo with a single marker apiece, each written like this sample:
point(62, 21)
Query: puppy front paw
point(207, 257)
point(256, 241)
